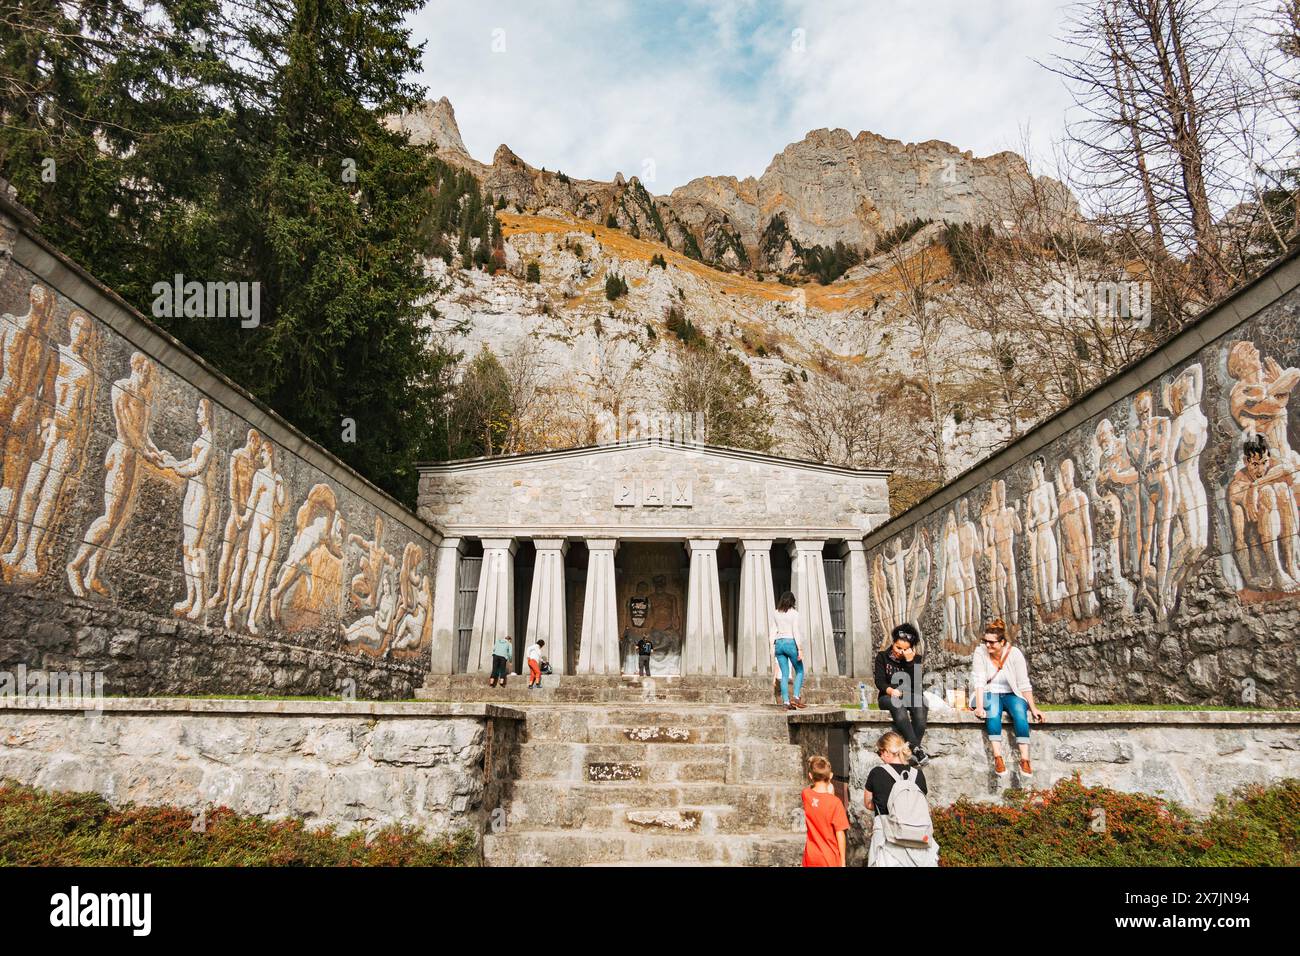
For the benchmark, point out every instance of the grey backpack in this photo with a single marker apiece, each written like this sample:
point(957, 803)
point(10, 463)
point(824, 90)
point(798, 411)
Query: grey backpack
point(907, 823)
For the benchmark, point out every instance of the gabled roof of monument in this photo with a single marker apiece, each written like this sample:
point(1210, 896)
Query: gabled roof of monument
point(685, 448)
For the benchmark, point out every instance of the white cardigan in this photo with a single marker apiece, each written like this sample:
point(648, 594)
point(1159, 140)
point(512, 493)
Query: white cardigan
point(1015, 670)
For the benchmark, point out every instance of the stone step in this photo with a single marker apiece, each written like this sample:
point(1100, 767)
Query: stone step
point(720, 808)
point(597, 847)
point(821, 691)
point(656, 733)
point(658, 763)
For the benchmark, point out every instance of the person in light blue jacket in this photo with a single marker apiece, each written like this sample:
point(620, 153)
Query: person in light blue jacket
point(503, 651)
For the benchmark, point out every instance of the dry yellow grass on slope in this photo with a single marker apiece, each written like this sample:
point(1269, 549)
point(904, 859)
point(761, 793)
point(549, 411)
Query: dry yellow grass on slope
point(837, 297)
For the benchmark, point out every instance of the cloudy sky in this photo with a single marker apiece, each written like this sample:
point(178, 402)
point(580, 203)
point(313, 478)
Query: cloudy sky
point(674, 90)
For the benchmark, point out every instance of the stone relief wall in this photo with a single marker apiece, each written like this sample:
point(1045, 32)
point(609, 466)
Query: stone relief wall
point(1150, 554)
point(140, 509)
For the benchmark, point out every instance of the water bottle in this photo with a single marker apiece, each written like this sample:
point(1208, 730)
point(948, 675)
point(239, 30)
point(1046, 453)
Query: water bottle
point(862, 694)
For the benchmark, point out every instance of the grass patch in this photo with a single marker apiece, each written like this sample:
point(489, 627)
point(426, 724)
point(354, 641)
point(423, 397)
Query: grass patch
point(1064, 826)
point(39, 828)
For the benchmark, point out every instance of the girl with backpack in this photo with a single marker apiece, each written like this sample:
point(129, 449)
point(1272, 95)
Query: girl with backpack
point(901, 831)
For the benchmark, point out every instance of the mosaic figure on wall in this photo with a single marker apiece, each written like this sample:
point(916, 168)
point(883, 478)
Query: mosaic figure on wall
point(1116, 488)
point(999, 524)
point(1264, 520)
point(198, 513)
point(1189, 434)
point(375, 561)
point(230, 568)
point(1044, 558)
point(26, 388)
point(263, 511)
point(414, 627)
point(1263, 496)
point(311, 576)
point(904, 575)
point(957, 583)
point(62, 444)
point(372, 629)
point(1075, 517)
point(1149, 450)
point(132, 400)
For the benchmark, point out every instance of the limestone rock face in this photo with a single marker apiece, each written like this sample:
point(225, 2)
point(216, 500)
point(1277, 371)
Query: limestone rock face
point(829, 187)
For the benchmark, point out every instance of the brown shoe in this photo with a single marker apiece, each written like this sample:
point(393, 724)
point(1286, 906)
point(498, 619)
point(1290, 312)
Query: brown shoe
point(791, 706)
point(492, 682)
point(798, 702)
point(999, 766)
point(1025, 769)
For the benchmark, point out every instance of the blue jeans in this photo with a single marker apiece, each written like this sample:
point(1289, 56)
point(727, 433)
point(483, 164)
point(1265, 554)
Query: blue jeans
point(1014, 705)
point(787, 656)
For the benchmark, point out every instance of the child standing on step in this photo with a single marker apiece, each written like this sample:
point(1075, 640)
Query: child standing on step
point(825, 817)
point(535, 664)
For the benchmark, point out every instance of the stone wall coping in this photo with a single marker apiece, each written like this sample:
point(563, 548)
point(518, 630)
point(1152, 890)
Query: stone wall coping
point(234, 707)
point(1076, 718)
point(1215, 321)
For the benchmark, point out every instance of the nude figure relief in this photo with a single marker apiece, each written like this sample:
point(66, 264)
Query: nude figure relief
point(1075, 524)
point(28, 365)
point(310, 583)
point(1263, 496)
point(60, 454)
point(1041, 513)
point(959, 547)
point(901, 578)
point(198, 512)
point(262, 515)
point(133, 448)
point(999, 526)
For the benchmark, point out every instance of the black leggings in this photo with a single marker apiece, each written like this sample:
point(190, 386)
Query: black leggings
point(498, 668)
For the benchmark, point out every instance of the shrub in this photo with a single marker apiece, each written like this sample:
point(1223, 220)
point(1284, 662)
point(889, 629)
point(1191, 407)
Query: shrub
point(39, 828)
point(659, 260)
point(615, 287)
point(1257, 826)
point(534, 272)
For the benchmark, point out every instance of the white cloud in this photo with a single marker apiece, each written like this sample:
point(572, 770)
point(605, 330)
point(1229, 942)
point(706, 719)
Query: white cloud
point(716, 88)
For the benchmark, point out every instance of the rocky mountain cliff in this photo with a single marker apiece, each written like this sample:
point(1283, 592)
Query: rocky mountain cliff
point(830, 187)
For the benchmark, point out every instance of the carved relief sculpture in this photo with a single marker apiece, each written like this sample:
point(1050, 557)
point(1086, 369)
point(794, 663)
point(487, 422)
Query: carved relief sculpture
point(132, 400)
point(62, 448)
point(198, 513)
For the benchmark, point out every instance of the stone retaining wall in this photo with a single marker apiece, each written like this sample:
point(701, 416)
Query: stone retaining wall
point(1187, 756)
point(437, 767)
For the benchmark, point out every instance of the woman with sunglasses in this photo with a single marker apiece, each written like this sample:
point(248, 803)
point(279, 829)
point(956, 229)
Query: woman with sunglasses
point(1000, 684)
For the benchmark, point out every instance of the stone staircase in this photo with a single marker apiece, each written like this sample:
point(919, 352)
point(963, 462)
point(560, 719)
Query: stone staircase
point(659, 784)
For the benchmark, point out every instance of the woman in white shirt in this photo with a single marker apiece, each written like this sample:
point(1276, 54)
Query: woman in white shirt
point(787, 650)
point(1000, 683)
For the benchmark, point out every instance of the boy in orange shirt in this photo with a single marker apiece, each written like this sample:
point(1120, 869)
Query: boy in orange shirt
point(824, 816)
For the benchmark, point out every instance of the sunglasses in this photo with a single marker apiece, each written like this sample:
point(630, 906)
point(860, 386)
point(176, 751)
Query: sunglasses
point(996, 640)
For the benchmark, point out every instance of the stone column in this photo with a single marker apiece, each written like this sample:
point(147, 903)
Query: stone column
point(705, 652)
point(857, 609)
point(808, 582)
point(757, 601)
point(546, 602)
point(446, 568)
point(494, 610)
point(598, 652)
